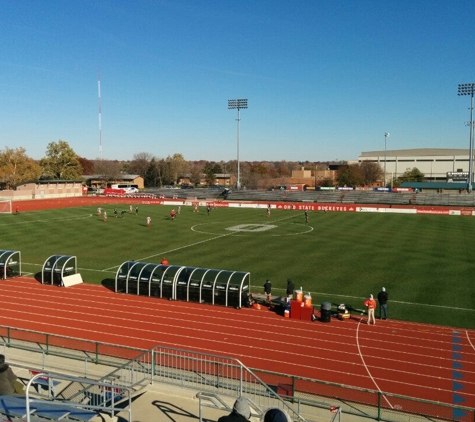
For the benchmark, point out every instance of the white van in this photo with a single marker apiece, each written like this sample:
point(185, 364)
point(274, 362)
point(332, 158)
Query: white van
point(129, 188)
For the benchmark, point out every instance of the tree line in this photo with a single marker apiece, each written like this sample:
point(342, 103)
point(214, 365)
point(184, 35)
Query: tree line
point(62, 163)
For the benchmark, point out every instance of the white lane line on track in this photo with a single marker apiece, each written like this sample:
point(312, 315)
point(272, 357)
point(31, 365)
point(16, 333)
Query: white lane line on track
point(468, 338)
point(366, 366)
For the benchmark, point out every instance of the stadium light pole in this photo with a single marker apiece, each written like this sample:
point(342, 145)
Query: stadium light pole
point(238, 104)
point(386, 136)
point(469, 89)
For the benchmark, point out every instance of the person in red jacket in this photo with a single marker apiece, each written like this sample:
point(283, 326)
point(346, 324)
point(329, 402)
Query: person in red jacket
point(370, 304)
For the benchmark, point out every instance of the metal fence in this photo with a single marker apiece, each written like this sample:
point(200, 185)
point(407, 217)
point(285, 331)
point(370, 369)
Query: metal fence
point(77, 393)
point(223, 376)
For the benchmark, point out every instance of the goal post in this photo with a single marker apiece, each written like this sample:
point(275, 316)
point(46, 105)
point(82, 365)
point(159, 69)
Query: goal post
point(5, 206)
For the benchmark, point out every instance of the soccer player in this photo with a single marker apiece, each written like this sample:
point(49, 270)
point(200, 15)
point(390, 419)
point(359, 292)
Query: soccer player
point(148, 221)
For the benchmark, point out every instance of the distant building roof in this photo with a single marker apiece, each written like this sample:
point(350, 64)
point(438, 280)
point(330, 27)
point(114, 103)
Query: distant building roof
point(119, 176)
point(417, 152)
point(434, 185)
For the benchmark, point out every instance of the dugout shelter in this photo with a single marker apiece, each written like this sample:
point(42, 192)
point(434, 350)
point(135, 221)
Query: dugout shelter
point(10, 264)
point(191, 284)
point(57, 267)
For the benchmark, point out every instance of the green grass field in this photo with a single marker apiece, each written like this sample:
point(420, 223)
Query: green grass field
point(425, 262)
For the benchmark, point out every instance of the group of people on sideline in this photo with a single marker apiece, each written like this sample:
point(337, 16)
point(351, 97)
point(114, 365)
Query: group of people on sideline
point(242, 412)
point(371, 305)
point(289, 291)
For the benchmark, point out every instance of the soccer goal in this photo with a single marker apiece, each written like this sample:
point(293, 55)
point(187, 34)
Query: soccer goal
point(5, 206)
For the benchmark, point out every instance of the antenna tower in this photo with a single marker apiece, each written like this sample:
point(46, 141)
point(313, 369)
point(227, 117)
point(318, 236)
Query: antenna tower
point(100, 113)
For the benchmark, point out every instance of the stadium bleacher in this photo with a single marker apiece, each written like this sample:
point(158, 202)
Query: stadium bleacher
point(425, 198)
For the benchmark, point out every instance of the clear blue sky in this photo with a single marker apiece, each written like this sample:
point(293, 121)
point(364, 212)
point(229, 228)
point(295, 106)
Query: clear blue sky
point(325, 79)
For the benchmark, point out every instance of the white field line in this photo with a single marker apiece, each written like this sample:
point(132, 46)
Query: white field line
point(186, 246)
point(48, 220)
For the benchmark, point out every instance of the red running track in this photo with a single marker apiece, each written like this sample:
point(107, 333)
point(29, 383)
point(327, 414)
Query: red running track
point(397, 357)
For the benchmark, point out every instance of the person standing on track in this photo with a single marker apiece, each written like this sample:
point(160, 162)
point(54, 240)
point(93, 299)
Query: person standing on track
point(268, 290)
point(241, 412)
point(370, 304)
point(290, 289)
point(383, 303)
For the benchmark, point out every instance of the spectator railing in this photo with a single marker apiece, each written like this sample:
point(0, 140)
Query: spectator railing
point(219, 375)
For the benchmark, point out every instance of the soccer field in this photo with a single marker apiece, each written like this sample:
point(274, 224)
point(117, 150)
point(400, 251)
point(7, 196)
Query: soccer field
point(424, 261)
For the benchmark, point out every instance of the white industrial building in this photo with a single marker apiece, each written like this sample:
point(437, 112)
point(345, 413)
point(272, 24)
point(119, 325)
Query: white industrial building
point(437, 164)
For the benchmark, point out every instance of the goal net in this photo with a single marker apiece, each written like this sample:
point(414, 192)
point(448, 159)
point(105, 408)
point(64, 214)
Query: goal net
point(5, 206)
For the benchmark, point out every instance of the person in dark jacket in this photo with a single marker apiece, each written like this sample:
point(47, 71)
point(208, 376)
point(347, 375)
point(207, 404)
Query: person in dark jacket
point(7, 378)
point(274, 414)
point(383, 303)
point(290, 289)
point(241, 412)
point(268, 290)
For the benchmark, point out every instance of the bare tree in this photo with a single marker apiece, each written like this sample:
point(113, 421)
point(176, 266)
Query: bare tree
point(108, 170)
point(371, 172)
point(140, 163)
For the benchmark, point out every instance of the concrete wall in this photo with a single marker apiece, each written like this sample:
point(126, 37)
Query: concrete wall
point(43, 191)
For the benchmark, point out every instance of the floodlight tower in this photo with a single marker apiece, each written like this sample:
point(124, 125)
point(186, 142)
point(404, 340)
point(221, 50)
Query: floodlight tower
point(238, 104)
point(386, 136)
point(469, 89)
